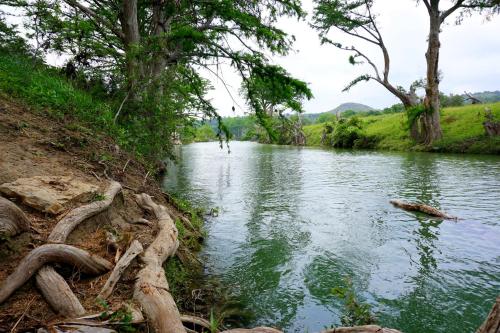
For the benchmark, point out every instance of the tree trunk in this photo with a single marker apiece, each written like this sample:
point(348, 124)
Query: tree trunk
point(132, 39)
point(429, 121)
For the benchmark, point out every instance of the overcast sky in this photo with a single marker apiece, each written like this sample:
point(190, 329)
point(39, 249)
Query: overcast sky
point(470, 59)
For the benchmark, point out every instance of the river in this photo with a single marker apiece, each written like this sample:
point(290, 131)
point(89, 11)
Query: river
point(294, 222)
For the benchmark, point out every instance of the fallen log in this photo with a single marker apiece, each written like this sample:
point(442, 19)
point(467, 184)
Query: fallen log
point(492, 322)
point(52, 253)
point(12, 219)
point(361, 329)
point(151, 289)
point(422, 208)
point(53, 287)
point(133, 251)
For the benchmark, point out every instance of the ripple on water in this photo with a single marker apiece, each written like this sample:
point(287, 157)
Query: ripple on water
point(294, 222)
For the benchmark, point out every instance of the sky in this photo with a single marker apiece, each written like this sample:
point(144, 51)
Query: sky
point(469, 59)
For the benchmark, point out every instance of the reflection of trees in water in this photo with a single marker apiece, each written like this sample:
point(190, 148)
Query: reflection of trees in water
point(182, 172)
point(266, 265)
point(421, 183)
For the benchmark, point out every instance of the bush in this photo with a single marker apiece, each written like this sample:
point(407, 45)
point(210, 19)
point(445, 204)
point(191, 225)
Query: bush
point(347, 133)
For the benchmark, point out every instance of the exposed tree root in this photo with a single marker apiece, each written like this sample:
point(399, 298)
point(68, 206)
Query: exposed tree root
point(67, 224)
point(12, 219)
point(57, 293)
point(196, 320)
point(133, 251)
point(492, 322)
point(53, 287)
point(362, 329)
point(422, 208)
point(151, 288)
point(253, 330)
point(51, 253)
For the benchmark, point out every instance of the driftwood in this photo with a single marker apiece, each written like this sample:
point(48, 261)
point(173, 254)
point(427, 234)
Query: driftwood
point(12, 219)
point(361, 329)
point(422, 208)
point(51, 253)
point(53, 287)
point(122, 264)
point(151, 289)
point(492, 322)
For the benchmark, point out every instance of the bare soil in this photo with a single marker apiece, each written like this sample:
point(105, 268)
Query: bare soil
point(33, 144)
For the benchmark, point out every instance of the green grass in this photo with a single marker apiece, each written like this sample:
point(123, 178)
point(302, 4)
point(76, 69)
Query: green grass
point(462, 131)
point(44, 89)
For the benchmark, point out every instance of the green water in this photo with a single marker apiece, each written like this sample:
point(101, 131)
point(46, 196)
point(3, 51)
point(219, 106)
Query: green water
point(294, 222)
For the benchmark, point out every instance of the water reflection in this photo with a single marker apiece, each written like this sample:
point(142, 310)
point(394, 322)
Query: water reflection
point(275, 237)
point(294, 222)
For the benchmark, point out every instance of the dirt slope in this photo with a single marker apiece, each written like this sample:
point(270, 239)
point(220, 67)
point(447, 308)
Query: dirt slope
point(32, 144)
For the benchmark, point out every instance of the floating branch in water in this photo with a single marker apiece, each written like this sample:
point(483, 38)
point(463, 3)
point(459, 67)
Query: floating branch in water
point(422, 208)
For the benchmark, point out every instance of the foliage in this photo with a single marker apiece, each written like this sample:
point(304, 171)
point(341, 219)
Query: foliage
point(347, 133)
point(145, 58)
point(450, 100)
point(177, 276)
point(355, 312)
point(356, 19)
point(462, 127)
point(413, 114)
point(326, 117)
point(122, 316)
point(204, 133)
point(396, 108)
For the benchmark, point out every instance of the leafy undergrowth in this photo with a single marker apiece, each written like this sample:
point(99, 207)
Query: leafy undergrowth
point(463, 131)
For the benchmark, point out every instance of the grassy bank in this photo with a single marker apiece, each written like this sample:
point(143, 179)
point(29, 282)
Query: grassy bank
point(463, 131)
point(51, 125)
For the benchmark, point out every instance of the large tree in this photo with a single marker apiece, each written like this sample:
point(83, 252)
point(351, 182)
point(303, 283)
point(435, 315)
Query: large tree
point(355, 18)
point(155, 50)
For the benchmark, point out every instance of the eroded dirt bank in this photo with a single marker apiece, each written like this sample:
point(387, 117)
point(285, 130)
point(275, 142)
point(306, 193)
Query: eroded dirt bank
point(32, 144)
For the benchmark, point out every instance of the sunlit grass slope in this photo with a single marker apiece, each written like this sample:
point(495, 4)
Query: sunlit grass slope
point(462, 131)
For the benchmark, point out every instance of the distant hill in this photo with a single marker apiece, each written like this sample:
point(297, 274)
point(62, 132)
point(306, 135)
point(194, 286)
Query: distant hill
point(356, 107)
point(485, 96)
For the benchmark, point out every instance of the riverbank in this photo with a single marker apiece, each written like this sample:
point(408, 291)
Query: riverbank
point(33, 143)
point(463, 131)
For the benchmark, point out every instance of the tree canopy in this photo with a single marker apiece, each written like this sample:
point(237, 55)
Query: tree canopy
point(355, 18)
point(152, 52)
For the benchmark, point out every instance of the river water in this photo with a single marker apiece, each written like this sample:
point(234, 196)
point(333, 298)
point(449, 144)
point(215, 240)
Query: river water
point(294, 222)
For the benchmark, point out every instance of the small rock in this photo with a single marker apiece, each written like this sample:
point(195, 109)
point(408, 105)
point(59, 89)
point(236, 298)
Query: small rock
point(50, 194)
